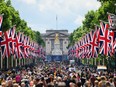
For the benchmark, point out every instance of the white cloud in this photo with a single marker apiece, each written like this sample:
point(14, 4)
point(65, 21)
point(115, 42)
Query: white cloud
point(29, 2)
point(92, 4)
point(70, 12)
point(68, 7)
point(79, 20)
point(41, 28)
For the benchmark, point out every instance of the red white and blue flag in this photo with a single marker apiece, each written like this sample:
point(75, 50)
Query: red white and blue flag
point(103, 39)
point(19, 45)
point(13, 36)
point(26, 46)
point(112, 33)
point(1, 19)
point(94, 43)
point(5, 44)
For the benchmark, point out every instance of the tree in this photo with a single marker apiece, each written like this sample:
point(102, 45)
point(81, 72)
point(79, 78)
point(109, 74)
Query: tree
point(8, 3)
point(89, 21)
point(7, 17)
point(39, 38)
point(11, 17)
point(93, 17)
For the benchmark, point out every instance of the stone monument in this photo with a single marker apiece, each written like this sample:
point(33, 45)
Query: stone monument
point(56, 50)
point(56, 43)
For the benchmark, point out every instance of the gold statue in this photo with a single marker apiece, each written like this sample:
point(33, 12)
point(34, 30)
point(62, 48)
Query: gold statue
point(57, 38)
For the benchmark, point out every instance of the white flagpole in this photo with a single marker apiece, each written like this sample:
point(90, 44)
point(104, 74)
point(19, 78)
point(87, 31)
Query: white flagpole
point(1, 66)
point(7, 63)
point(95, 61)
point(11, 60)
point(29, 61)
point(56, 22)
point(15, 62)
point(24, 61)
point(103, 62)
point(19, 61)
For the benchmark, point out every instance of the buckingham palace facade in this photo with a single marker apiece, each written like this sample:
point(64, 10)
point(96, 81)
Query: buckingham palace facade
point(56, 41)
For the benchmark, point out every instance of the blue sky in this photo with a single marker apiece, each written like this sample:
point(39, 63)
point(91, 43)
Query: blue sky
point(40, 15)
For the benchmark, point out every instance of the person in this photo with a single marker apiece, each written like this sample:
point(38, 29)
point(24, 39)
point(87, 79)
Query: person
point(31, 83)
point(18, 78)
point(92, 80)
point(96, 83)
point(15, 85)
point(87, 83)
point(72, 84)
point(114, 81)
point(108, 84)
point(83, 80)
point(10, 84)
point(44, 82)
point(3, 84)
point(60, 82)
point(22, 84)
point(79, 84)
point(102, 83)
point(111, 82)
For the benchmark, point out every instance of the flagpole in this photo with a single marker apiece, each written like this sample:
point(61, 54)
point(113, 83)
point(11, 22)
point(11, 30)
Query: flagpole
point(19, 62)
point(12, 61)
point(103, 61)
point(1, 66)
point(95, 61)
point(15, 62)
point(7, 62)
point(27, 61)
point(98, 62)
point(56, 22)
point(24, 61)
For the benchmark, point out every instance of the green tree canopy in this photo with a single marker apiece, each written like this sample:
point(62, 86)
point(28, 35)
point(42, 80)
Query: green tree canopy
point(92, 18)
point(11, 17)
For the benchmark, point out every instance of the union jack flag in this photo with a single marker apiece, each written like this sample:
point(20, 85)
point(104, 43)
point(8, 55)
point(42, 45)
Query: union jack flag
point(13, 36)
point(112, 20)
point(89, 53)
point(5, 44)
point(26, 46)
point(94, 43)
point(103, 39)
point(113, 41)
point(112, 33)
point(19, 45)
point(86, 45)
point(1, 19)
point(114, 45)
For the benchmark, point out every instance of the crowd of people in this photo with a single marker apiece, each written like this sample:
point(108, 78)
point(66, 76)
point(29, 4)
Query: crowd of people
point(56, 74)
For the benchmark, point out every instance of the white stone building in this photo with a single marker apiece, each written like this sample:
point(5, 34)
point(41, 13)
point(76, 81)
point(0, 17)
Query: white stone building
point(49, 38)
